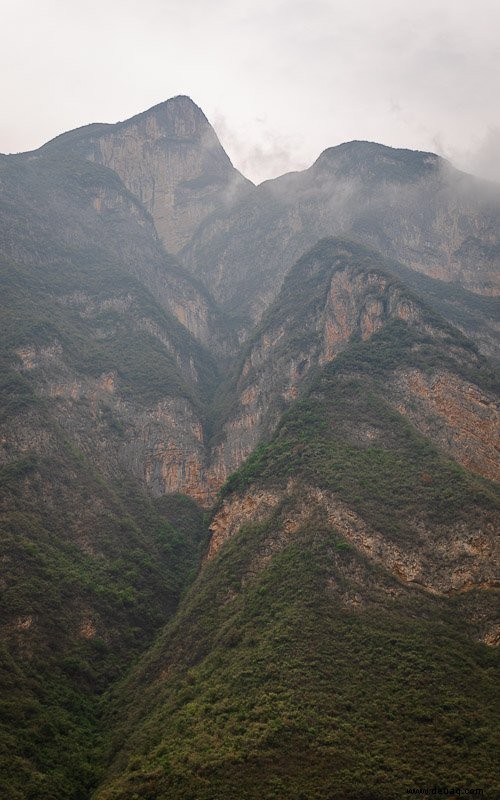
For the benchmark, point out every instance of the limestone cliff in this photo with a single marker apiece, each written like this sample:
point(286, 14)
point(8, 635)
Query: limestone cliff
point(454, 413)
point(103, 326)
point(171, 160)
point(335, 294)
point(157, 441)
point(444, 560)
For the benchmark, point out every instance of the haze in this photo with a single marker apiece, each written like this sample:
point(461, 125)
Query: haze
point(280, 81)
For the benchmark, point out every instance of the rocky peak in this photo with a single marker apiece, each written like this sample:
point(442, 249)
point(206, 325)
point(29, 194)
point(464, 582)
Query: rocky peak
point(413, 207)
point(369, 160)
point(179, 117)
point(170, 158)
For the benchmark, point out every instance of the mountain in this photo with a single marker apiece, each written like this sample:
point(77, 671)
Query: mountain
point(170, 158)
point(92, 564)
point(249, 470)
point(348, 560)
point(413, 207)
point(340, 292)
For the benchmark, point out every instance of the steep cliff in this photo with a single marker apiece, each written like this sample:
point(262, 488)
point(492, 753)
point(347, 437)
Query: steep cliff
point(171, 160)
point(337, 293)
point(412, 207)
point(101, 321)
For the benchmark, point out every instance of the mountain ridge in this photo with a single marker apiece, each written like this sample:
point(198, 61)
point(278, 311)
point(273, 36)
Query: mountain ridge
point(249, 490)
point(174, 134)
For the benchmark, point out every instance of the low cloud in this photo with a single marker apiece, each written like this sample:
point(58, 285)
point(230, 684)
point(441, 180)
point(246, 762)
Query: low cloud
point(485, 161)
point(272, 155)
point(481, 157)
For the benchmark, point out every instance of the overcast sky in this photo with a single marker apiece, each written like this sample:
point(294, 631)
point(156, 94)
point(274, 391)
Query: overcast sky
point(280, 80)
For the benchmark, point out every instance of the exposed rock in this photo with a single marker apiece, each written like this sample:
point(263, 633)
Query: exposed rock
point(235, 511)
point(445, 560)
point(463, 419)
point(170, 158)
point(355, 303)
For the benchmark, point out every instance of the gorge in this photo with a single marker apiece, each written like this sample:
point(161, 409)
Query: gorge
point(249, 460)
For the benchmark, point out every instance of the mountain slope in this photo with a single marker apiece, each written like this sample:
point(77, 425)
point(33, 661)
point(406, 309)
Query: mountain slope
point(90, 570)
point(92, 302)
point(59, 211)
point(331, 637)
point(327, 647)
point(104, 396)
point(339, 292)
point(412, 207)
point(306, 682)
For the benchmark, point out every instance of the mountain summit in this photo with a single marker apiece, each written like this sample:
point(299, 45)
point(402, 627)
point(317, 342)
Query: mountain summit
point(377, 161)
point(170, 158)
point(414, 207)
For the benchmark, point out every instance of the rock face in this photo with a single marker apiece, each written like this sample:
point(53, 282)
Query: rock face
point(106, 302)
point(465, 558)
point(169, 443)
point(460, 417)
point(251, 642)
point(334, 294)
point(412, 207)
point(170, 159)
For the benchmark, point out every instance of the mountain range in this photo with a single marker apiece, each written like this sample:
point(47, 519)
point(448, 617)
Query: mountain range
point(249, 465)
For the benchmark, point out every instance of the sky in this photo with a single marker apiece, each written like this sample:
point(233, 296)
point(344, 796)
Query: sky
point(280, 80)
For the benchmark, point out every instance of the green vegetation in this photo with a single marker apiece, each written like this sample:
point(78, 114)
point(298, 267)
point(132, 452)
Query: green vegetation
point(92, 568)
point(269, 685)
point(400, 474)
point(433, 344)
point(62, 249)
point(399, 478)
point(106, 341)
point(91, 574)
point(300, 669)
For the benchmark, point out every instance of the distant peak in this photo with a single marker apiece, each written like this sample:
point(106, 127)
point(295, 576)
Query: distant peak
point(180, 106)
point(370, 159)
point(176, 117)
point(362, 147)
point(179, 102)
